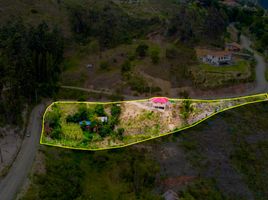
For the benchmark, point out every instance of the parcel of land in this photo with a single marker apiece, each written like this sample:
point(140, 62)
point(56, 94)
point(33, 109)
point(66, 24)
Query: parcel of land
point(97, 126)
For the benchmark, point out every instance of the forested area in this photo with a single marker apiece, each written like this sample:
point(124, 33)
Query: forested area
point(254, 21)
point(108, 23)
point(29, 66)
point(193, 23)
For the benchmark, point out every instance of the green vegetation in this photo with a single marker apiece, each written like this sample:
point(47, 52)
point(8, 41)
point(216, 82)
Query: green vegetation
point(155, 56)
point(89, 126)
point(86, 123)
point(241, 145)
point(107, 22)
point(186, 109)
point(254, 21)
point(207, 76)
point(142, 50)
point(126, 174)
point(29, 63)
point(203, 189)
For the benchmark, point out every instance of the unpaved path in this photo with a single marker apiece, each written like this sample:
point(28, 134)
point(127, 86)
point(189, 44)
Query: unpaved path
point(261, 83)
point(11, 184)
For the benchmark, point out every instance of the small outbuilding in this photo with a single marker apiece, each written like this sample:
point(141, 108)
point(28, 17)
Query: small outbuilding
point(103, 119)
point(160, 103)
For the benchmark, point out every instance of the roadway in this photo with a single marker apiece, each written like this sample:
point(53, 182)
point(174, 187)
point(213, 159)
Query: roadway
point(11, 184)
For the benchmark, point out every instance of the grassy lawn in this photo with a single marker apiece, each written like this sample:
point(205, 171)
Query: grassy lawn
point(241, 66)
point(209, 77)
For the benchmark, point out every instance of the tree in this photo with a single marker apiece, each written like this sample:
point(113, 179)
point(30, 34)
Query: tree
point(155, 56)
point(186, 108)
point(126, 67)
point(104, 65)
point(142, 50)
point(115, 111)
point(171, 52)
point(99, 110)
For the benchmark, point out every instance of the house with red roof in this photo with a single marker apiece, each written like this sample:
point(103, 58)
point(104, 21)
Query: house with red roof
point(160, 103)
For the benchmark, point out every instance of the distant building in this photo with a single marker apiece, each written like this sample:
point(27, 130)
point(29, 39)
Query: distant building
point(170, 195)
point(230, 3)
point(160, 103)
point(217, 58)
point(214, 56)
point(234, 47)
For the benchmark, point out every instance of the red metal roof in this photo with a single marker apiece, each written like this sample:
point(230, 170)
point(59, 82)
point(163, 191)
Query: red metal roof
point(162, 100)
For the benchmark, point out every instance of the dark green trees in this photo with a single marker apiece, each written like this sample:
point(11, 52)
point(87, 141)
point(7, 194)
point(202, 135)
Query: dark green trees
point(29, 64)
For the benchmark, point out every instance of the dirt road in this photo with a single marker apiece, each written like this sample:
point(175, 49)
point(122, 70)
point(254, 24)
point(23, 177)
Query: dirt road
point(261, 83)
point(11, 184)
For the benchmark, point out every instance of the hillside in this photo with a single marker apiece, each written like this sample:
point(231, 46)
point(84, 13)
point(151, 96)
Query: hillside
point(208, 162)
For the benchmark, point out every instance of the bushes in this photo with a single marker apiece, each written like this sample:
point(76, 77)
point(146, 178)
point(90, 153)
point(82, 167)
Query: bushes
point(126, 67)
point(155, 56)
point(115, 111)
point(53, 121)
point(142, 50)
point(137, 83)
point(107, 23)
point(104, 65)
point(99, 110)
point(172, 52)
point(81, 115)
point(202, 189)
point(186, 109)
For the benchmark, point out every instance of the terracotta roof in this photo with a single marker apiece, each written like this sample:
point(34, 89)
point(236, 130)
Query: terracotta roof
point(204, 52)
point(219, 53)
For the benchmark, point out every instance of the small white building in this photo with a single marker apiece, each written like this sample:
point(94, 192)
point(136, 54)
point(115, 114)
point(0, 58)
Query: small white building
point(217, 58)
point(103, 119)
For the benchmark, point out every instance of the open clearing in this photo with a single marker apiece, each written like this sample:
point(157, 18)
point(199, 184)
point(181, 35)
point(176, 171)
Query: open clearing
point(98, 126)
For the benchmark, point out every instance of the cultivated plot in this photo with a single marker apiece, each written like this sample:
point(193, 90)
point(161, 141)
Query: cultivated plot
point(97, 126)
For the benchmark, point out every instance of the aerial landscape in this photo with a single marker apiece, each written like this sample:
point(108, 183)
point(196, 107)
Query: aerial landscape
point(133, 99)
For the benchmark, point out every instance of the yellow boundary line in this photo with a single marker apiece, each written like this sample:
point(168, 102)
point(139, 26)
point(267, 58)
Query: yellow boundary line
point(165, 134)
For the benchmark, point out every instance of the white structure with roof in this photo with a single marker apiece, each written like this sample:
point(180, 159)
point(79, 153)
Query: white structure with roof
point(218, 58)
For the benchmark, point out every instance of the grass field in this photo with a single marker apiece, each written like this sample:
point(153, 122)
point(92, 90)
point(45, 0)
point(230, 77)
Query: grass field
point(206, 76)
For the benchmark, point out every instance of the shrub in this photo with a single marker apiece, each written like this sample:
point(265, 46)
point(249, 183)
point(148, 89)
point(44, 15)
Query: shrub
point(82, 114)
point(53, 117)
point(126, 66)
point(104, 65)
point(142, 50)
point(155, 56)
point(115, 111)
point(138, 84)
point(56, 133)
point(120, 133)
point(105, 130)
point(99, 110)
point(171, 52)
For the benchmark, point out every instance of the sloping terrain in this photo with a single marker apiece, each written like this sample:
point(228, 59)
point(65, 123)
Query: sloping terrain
point(209, 161)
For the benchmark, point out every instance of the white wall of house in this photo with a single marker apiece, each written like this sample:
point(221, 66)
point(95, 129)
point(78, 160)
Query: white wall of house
point(217, 60)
